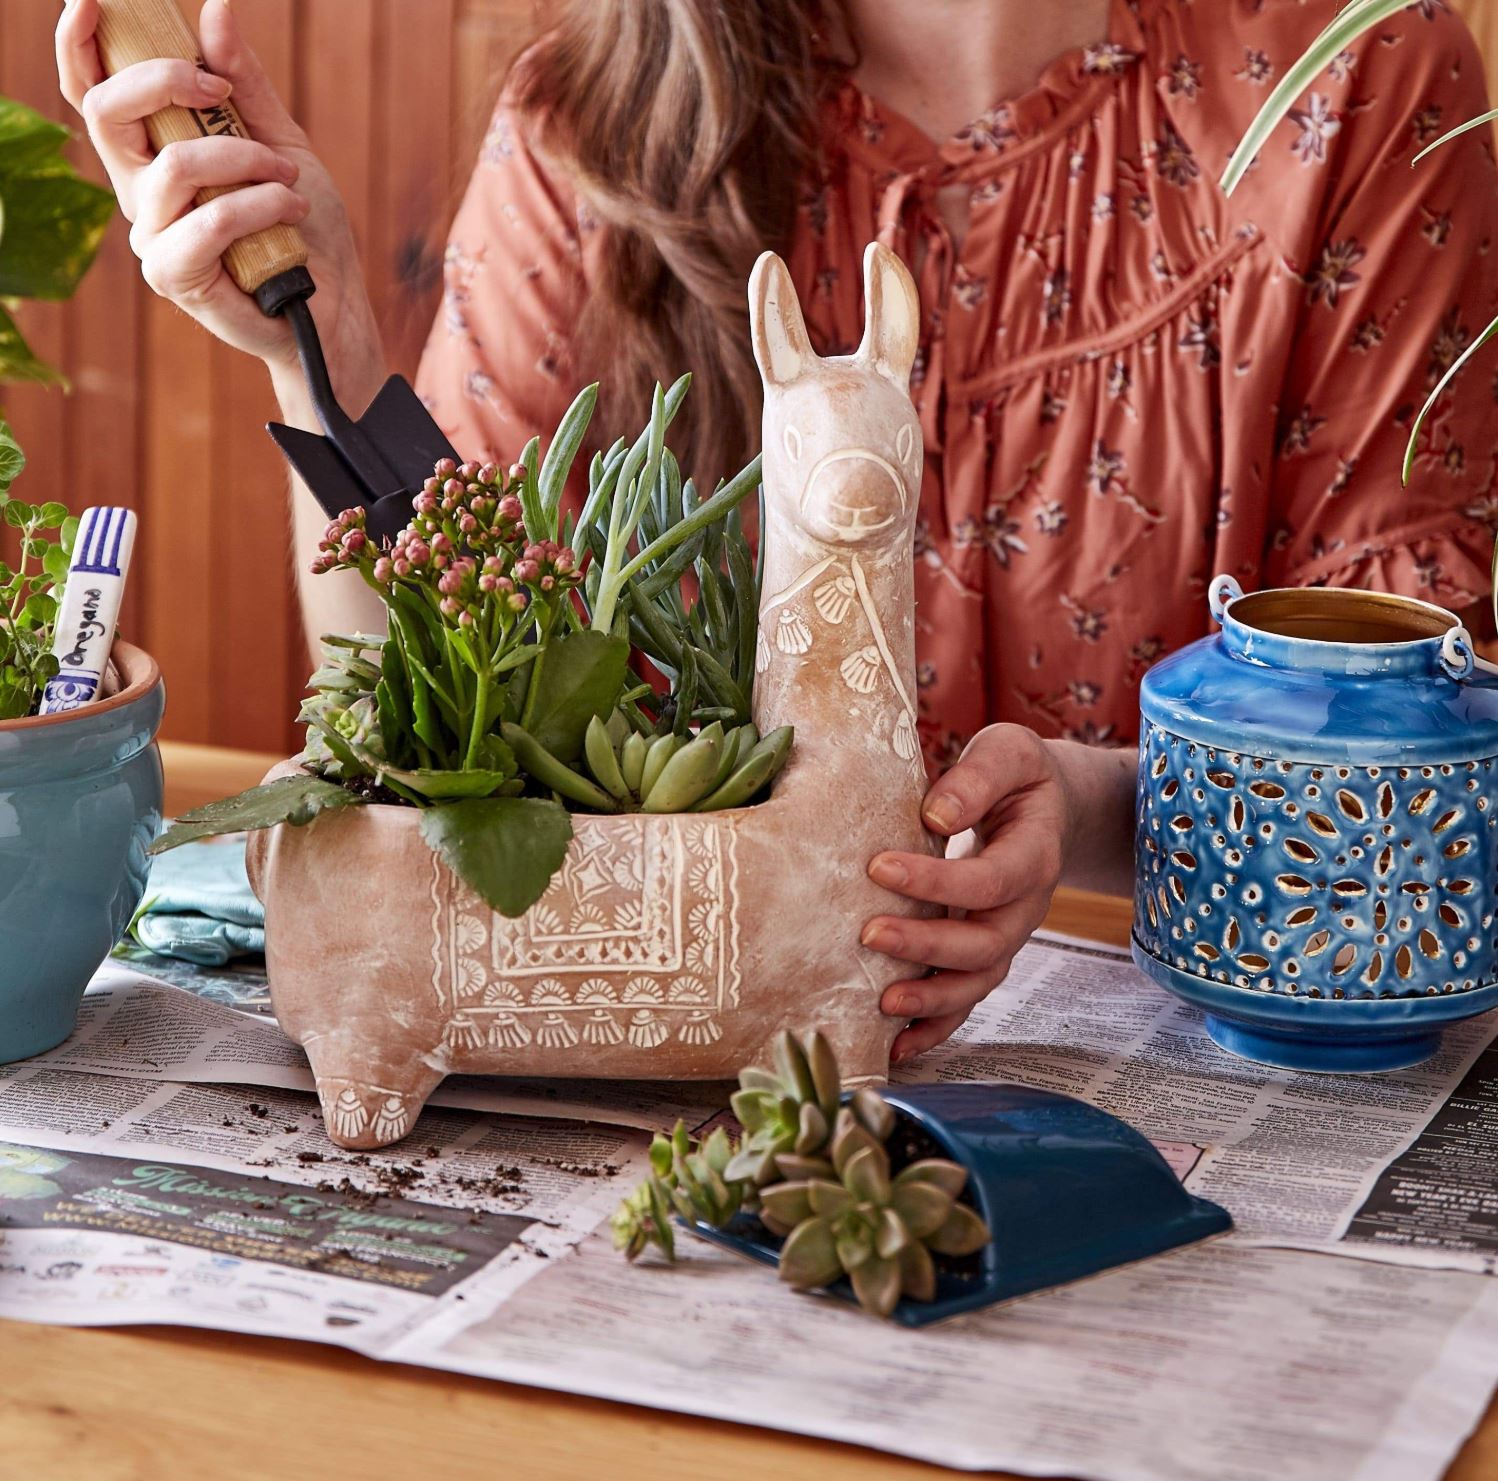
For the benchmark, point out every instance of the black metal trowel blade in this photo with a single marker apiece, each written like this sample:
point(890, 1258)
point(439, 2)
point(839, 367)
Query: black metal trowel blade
point(377, 462)
point(409, 444)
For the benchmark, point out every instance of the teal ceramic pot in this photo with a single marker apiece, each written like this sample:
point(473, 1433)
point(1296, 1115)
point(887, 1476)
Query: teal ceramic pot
point(1317, 828)
point(80, 801)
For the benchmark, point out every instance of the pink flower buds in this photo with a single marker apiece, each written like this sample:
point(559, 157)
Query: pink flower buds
point(446, 468)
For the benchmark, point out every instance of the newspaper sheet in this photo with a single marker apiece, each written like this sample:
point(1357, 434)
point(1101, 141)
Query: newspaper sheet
point(123, 1200)
point(1257, 1354)
point(133, 1026)
point(1395, 1166)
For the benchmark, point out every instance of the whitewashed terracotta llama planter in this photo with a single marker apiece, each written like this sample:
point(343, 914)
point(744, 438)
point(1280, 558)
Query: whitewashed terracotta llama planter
point(667, 947)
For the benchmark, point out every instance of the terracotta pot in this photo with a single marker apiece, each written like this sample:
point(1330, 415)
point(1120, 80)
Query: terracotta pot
point(667, 947)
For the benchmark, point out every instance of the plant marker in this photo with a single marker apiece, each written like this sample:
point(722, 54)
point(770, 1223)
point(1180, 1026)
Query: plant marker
point(90, 607)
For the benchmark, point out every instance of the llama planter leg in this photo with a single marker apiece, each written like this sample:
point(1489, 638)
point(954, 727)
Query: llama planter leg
point(368, 1101)
point(666, 947)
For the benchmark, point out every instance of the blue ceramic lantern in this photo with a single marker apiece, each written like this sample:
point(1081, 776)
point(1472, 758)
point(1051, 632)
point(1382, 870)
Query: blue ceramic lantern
point(1317, 827)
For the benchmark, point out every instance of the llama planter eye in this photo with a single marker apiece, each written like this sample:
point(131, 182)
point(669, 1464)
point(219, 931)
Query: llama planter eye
point(667, 947)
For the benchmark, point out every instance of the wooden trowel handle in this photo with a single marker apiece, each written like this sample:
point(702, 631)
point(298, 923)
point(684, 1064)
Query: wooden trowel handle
point(133, 31)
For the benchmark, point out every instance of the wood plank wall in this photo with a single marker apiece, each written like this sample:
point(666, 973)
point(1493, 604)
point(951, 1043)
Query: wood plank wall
point(395, 94)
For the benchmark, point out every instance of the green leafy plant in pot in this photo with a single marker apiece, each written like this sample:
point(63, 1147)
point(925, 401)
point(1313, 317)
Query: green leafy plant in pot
point(81, 788)
point(502, 697)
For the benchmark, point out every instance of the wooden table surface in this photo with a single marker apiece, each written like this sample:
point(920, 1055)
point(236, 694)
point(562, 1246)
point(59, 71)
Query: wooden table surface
point(173, 1404)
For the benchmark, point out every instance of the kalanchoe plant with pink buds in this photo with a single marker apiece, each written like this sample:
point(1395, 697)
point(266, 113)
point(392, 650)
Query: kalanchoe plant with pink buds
point(510, 632)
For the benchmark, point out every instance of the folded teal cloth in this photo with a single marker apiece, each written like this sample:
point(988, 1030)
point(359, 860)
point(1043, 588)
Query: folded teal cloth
point(199, 906)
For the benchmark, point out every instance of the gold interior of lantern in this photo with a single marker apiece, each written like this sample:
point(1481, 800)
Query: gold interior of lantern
point(1328, 615)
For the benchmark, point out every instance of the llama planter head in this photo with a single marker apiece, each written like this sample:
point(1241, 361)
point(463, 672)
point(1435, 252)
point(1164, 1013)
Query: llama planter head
point(667, 947)
point(851, 479)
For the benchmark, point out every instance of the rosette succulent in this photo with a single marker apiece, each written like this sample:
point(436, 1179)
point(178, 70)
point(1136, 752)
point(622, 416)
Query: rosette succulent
point(877, 1228)
point(816, 1171)
point(787, 1113)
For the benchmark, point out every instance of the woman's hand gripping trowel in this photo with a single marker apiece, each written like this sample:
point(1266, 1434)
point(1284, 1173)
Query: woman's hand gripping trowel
point(377, 462)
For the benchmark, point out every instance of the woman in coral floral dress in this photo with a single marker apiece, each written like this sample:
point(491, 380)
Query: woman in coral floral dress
point(1127, 382)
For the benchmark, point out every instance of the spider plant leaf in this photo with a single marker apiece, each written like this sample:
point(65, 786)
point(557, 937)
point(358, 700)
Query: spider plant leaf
point(1461, 128)
point(1430, 401)
point(1349, 24)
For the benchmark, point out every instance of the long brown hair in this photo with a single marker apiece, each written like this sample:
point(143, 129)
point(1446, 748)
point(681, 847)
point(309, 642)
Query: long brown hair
point(686, 127)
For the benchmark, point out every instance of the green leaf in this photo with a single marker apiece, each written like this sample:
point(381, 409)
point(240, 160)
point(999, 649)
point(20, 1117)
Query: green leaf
point(1452, 372)
point(923, 1206)
point(562, 453)
point(809, 1257)
point(964, 1233)
point(876, 1283)
point(443, 786)
point(18, 363)
point(12, 459)
point(53, 227)
point(55, 563)
point(53, 219)
point(531, 511)
point(1461, 128)
point(290, 799)
point(579, 676)
point(1349, 24)
point(505, 849)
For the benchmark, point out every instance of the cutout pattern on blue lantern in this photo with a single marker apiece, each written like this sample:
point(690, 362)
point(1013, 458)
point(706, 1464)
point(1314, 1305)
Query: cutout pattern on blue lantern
point(1315, 880)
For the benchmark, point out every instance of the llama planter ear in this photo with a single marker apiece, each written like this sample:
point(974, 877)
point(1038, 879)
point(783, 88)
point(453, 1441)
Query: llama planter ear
point(667, 947)
point(892, 315)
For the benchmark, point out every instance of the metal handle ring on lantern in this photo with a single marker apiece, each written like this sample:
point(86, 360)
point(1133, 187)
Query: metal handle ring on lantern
point(1222, 591)
point(1457, 655)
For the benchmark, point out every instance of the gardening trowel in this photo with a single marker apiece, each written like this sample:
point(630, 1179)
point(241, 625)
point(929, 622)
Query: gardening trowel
point(376, 462)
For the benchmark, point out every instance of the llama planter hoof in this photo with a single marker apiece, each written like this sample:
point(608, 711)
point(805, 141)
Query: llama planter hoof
point(676, 946)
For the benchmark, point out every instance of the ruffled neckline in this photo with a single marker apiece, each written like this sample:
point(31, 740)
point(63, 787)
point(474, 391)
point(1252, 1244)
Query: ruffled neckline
point(1070, 87)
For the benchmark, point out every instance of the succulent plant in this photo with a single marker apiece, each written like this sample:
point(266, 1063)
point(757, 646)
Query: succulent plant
point(817, 1173)
point(881, 1231)
point(686, 1177)
point(788, 1113)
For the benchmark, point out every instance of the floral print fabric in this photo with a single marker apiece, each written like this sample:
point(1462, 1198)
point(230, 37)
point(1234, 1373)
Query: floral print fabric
point(1127, 383)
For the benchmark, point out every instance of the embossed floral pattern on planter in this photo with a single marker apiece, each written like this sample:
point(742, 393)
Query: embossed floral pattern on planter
point(1334, 881)
point(636, 940)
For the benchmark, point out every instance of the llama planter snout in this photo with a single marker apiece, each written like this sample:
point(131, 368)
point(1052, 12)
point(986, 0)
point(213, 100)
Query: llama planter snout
point(666, 947)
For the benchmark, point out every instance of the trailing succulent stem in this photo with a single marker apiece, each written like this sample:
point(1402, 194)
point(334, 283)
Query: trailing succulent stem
point(817, 1172)
point(687, 1178)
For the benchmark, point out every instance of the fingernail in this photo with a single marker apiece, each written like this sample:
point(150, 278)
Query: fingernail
point(289, 171)
point(907, 1005)
point(879, 937)
point(214, 87)
point(889, 872)
point(944, 813)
